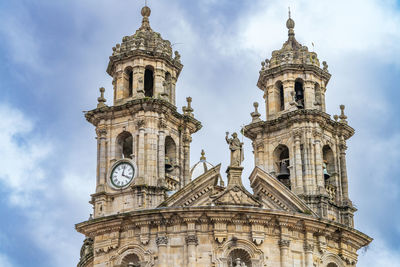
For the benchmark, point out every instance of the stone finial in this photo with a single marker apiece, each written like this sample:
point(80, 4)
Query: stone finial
point(335, 117)
point(290, 25)
point(262, 65)
point(188, 110)
point(177, 56)
point(146, 11)
point(342, 117)
point(101, 100)
point(255, 115)
point(325, 65)
point(203, 155)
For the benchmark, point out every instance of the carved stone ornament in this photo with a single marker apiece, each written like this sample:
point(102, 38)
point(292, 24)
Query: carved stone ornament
point(309, 247)
point(162, 124)
point(161, 240)
point(284, 243)
point(140, 123)
point(101, 132)
point(192, 240)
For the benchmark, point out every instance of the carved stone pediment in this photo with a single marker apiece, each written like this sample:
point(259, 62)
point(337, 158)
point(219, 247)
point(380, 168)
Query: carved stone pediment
point(274, 195)
point(198, 192)
point(237, 196)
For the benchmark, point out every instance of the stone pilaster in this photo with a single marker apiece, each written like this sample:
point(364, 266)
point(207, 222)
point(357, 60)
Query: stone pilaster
point(187, 139)
point(318, 162)
point(141, 154)
point(343, 172)
point(161, 154)
point(191, 242)
point(102, 161)
point(299, 189)
point(162, 242)
point(288, 88)
point(284, 245)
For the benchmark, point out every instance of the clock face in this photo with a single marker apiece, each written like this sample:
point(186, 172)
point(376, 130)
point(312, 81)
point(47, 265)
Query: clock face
point(122, 174)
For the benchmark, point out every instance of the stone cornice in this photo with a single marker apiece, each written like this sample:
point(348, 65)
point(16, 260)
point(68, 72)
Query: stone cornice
point(223, 214)
point(298, 116)
point(154, 56)
point(292, 68)
point(143, 104)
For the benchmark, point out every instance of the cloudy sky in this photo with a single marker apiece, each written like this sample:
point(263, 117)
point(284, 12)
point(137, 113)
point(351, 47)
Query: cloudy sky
point(54, 56)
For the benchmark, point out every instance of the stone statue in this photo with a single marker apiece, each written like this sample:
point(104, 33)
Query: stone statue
point(239, 263)
point(236, 148)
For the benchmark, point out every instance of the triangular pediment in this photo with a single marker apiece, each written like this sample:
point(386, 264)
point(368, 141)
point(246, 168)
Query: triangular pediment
point(236, 196)
point(275, 195)
point(198, 192)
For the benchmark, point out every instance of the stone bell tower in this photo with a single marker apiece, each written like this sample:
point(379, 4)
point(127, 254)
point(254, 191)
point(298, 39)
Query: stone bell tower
point(299, 143)
point(143, 142)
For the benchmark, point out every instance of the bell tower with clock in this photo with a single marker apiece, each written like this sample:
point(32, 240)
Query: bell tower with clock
point(143, 142)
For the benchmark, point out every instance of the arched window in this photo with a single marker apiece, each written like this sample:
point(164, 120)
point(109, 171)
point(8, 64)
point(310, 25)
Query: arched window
point(332, 265)
point(281, 158)
point(129, 80)
point(131, 260)
point(239, 258)
point(124, 145)
point(149, 82)
point(328, 161)
point(299, 92)
point(170, 154)
point(279, 87)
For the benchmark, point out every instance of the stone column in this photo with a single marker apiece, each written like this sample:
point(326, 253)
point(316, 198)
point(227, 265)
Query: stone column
point(308, 249)
point(288, 88)
point(298, 164)
point(187, 139)
point(265, 96)
point(120, 85)
point(161, 154)
point(318, 163)
point(191, 242)
point(284, 245)
point(141, 154)
point(162, 242)
point(273, 101)
point(102, 161)
point(343, 172)
point(173, 86)
point(309, 94)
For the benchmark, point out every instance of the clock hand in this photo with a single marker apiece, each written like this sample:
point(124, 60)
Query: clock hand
point(123, 171)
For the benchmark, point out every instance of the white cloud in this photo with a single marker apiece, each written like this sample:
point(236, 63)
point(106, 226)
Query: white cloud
point(21, 157)
point(4, 261)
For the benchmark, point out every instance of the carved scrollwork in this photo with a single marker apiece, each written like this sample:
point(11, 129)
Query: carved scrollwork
point(162, 240)
point(140, 123)
point(192, 240)
point(101, 132)
point(284, 243)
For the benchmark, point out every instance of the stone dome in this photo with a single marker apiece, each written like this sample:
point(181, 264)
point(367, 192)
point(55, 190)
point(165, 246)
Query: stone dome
point(145, 42)
point(200, 167)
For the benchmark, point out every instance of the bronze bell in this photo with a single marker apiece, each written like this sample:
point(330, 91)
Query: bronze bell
point(326, 173)
point(168, 165)
point(284, 171)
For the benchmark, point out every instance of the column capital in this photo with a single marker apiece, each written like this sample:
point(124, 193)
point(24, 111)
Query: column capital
point(284, 243)
point(162, 240)
point(192, 240)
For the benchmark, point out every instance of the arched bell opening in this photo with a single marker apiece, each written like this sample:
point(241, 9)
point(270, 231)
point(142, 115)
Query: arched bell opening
point(299, 92)
point(282, 163)
point(149, 82)
point(328, 162)
point(124, 145)
point(170, 154)
point(318, 95)
point(279, 88)
point(129, 81)
point(131, 260)
point(239, 258)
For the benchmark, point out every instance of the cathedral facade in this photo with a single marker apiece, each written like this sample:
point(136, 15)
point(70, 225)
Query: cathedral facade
point(150, 208)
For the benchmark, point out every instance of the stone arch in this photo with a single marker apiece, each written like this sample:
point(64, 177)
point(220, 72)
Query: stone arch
point(331, 260)
point(281, 157)
point(149, 81)
point(299, 92)
point(124, 145)
point(128, 81)
point(239, 247)
point(170, 154)
point(329, 159)
point(279, 88)
point(132, 253)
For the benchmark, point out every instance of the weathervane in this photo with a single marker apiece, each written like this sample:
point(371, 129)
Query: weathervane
point(288, 8)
